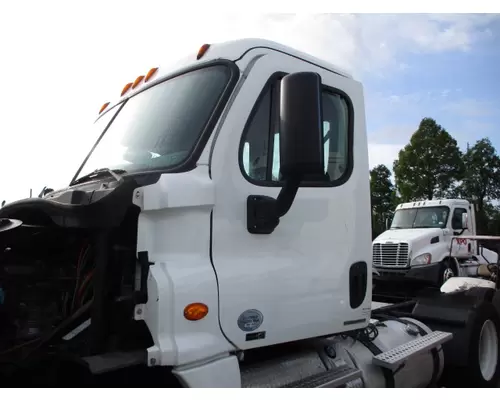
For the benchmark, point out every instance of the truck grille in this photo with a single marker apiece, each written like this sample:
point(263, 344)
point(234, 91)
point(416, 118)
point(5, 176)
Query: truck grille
point(390, 254)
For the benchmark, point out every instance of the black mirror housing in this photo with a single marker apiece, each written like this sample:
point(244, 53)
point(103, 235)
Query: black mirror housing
point(301, 149)
point(301, 126)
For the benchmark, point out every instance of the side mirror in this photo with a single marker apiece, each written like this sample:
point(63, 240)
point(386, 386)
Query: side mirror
point(387, 224)
point(465, 221)
point(301, 149)
point(45, 191)
point(301, 126)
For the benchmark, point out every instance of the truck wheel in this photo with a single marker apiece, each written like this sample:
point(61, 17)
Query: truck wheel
point(446, 272)
point(483, 368)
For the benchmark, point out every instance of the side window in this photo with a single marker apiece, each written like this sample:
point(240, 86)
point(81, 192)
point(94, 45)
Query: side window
point(257, 143)
point(261, 141)
point(456, 220)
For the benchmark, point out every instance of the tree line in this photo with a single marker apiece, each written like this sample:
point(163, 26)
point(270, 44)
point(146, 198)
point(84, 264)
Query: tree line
point(432, 166)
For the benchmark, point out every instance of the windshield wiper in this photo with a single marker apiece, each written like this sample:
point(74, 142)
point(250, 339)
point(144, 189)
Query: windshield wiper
point(100, 172)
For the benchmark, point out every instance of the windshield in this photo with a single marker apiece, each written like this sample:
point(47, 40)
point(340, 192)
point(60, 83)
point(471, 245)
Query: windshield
point(158, 128)
point(425, 217)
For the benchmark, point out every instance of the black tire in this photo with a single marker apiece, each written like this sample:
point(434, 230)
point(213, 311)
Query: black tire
point(471, 376)
point(446, 271)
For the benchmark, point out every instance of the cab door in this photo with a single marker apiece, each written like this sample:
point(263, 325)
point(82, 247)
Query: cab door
point(462, 248)
point(297, 281)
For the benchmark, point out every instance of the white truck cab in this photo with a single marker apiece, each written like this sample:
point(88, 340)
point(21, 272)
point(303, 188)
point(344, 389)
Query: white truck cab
point(424, 241)
point(218, 234)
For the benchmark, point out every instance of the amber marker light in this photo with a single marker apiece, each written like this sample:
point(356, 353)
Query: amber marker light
point(202, 51)
point(126, 88)
point(104, 106)
point(137, 81)
point(150, 74)
point(195, 311)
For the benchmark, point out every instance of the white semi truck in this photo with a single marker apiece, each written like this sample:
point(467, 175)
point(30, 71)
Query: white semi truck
point(427, 241)
point(218, 235)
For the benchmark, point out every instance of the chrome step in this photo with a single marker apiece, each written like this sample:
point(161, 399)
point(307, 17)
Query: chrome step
point(329, 379)
point(393, 358)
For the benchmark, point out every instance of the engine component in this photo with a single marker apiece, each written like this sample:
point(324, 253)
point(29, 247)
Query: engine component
point(45, 275)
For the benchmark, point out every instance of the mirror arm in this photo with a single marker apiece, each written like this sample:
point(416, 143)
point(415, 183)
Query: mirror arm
point(264, 212)
point(287, 195)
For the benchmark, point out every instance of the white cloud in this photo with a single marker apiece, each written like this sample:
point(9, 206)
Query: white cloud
point(392, 134)
point(412, 106)
point(403, 67)
point(60, 63)
point(470, 107)
point(383, 154)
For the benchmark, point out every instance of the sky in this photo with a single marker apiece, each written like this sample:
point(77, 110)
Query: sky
point(61, 61)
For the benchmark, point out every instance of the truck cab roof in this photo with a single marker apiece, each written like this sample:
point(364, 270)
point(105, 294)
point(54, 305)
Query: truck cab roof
point(434, 203)
point(230, 50)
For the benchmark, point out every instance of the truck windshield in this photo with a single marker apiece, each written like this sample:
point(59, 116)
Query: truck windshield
point(424, 217)
point(159, 127)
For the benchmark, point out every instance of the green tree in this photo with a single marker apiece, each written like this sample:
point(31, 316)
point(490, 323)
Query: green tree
point(488, 220)
point(481, 181)
point(429, 165)
point(383, 197)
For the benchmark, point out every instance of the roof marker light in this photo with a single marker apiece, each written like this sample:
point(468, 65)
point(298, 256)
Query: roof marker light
point(126, 88)
point(202, 51)
point(137, 81)
point(150, 74)
point(103, 107)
